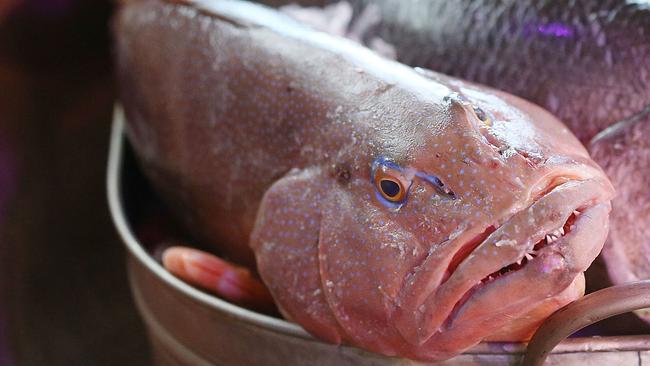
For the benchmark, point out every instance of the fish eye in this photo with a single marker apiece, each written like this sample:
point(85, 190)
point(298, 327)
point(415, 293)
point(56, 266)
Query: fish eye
point(390, 183)
point(391, 190)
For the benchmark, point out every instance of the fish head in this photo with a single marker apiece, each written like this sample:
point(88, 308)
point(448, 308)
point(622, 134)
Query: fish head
point(473, 221)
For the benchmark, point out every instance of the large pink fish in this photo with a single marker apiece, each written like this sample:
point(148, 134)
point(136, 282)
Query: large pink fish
point(395, 209)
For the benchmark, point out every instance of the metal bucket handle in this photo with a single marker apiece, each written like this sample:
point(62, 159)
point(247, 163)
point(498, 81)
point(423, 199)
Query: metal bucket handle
point(585, 311)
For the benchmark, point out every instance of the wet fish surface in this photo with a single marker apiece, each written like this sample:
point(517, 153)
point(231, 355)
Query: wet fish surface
point(399, 210)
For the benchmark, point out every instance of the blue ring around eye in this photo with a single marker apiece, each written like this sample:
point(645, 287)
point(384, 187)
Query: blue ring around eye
point(390, 204)
point(385, 162)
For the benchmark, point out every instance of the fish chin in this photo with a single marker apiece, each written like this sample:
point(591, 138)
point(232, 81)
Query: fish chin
point(522, 328)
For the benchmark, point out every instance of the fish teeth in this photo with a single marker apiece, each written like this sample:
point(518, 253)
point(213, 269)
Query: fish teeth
point(528, 256)
point(576, 212)
point(554, 235)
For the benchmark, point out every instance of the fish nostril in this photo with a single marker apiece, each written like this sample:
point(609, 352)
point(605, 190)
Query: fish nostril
point(448, 192)
point(482, 116)
point(438, 184)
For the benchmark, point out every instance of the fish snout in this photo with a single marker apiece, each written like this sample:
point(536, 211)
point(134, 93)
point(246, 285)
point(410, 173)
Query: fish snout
point(517, 269)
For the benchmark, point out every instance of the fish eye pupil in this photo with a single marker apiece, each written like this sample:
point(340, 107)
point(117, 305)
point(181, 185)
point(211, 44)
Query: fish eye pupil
point(390, 188)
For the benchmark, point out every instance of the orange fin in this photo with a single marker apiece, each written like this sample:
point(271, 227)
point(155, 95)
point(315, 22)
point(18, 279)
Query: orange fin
point(227, 280)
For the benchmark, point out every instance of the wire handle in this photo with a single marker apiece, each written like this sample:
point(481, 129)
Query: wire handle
point(590, 309)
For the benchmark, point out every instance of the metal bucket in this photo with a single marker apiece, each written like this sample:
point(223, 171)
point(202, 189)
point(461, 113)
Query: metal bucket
point(189, 327)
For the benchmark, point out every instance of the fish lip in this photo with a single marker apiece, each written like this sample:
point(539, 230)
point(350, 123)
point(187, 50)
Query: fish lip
point(462, 253)
point(542, 192)
point(580, 199)
point(486, 281)
point(571, 269)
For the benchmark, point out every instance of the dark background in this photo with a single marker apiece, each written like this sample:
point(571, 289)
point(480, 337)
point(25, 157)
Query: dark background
point(64, 297)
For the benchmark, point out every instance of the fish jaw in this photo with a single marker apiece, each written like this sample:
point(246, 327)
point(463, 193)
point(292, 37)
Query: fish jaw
point(523, 327)
point(554, 269)
point(476, 292)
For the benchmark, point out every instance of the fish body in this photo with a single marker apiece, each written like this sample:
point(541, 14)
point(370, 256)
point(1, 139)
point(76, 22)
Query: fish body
point(399, 210)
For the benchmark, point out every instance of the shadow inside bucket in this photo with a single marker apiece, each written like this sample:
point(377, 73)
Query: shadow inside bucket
point(149, 219)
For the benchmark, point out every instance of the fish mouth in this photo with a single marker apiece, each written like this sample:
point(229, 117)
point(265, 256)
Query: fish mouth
point(468, 247)
point(538, 249)
point(546, 245)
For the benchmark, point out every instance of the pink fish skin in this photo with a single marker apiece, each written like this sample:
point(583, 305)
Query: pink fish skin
point(398, 210)
point(584, 61)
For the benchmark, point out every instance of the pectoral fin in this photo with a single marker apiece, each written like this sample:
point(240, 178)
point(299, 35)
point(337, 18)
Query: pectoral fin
point(227, 280)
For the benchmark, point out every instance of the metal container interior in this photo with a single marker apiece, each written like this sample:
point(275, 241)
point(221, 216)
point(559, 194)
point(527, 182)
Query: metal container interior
point(189, 327)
